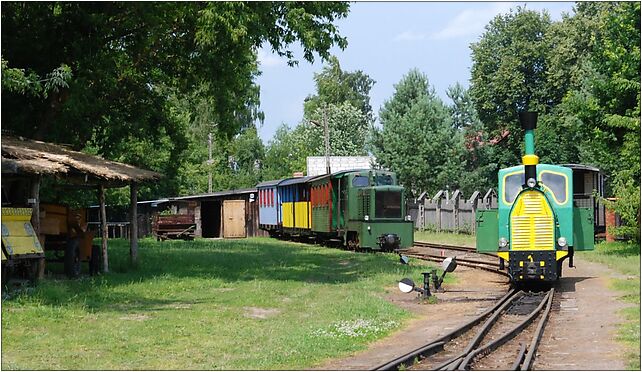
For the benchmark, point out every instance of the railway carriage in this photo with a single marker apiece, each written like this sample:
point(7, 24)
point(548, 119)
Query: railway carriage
point(536, 225)
point(294, 194)
point(269, 207)
point(365, 209)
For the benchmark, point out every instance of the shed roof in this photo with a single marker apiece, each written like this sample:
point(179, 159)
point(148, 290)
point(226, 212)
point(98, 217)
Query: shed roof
point(26, 156)
point(216, 194)
point(268, 183)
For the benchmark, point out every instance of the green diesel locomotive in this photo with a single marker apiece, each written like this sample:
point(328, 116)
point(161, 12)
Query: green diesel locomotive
point(536, 225)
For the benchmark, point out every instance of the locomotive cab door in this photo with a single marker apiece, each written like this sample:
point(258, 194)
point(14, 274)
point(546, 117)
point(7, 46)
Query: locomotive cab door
point(583, 229)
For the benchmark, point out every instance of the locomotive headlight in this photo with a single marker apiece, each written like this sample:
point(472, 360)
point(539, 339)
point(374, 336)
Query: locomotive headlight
point(531, 182)
point(561, 241)
point(503, 242)
point(366, 217)
point(408, 218)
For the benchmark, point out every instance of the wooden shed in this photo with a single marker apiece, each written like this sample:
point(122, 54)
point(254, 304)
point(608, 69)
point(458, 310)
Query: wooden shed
point(26, 161)
point(223, 214)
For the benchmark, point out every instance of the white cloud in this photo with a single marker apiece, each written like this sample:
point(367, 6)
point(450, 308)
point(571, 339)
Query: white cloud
point(269, 59)
point(470, 22)
point(410, 36)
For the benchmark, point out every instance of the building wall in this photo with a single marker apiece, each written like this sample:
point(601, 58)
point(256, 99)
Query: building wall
point(316, 164)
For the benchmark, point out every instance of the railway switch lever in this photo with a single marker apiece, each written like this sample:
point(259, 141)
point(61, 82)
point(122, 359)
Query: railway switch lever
point(406, 285)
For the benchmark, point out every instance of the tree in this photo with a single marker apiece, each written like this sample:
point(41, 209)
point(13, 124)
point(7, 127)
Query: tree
point(286, 153)
point(582, 75)
point(336, 86)
point(479, 170)
point(606, 103)
point(128, 58)
point(347, 128)
point(417, 139)
point(509, 75)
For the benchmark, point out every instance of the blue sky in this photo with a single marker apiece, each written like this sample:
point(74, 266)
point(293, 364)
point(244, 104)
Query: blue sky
point(386, 40)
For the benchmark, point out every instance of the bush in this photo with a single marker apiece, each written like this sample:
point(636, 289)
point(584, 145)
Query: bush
point(627, 206)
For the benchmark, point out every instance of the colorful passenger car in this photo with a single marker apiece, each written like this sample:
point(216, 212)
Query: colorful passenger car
point(536, 225)
point(294, 194)
point(269, 206)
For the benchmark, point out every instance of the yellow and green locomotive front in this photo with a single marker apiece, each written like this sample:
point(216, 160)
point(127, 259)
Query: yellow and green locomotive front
point(536, 225)
point(535, 221)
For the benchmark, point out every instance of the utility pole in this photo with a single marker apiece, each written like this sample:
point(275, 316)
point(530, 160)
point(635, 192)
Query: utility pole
point(326, 136)
point(209, 163)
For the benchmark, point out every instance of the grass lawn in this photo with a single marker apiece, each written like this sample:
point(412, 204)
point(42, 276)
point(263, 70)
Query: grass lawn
point(243, 304)
point(445, 238)
point(625, 259)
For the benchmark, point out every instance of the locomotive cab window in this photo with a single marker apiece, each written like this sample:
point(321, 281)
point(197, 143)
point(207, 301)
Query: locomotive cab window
point(557, 184)
point(383, 180)
point(388, 204)
point(512, 185)
point(360, 181)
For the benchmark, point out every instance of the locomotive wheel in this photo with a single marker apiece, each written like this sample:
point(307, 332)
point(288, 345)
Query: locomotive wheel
point(72, 258)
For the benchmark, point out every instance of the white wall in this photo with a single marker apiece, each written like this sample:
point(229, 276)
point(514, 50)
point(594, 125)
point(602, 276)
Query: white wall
point(316, 164)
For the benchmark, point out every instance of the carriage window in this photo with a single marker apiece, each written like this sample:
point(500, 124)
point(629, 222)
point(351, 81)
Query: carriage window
point(383, 180)
point(512, 185)
point(556, 183)
point(388, 204)
point(360, 181)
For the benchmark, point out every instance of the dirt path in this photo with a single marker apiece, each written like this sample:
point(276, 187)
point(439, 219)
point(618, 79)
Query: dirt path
point(582, 328)
point(580, 334)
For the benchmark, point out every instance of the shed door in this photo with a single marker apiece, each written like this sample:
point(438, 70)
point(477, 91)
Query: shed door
point(234, 219)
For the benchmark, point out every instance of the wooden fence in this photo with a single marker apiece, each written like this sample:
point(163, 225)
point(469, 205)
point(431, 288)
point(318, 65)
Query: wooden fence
point(450, 211)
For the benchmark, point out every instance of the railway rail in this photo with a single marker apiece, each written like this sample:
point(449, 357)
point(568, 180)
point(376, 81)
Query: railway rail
point(435, 356)
point(495, 329)
point(427, 251)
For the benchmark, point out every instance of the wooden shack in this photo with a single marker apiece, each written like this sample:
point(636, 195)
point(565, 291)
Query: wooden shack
point(222, 214)
point(25, 162)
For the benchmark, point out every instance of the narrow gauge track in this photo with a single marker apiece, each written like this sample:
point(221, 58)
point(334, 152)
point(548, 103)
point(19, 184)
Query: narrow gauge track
point(427, 251)
point(507, 318)
point(444, 246)
point(504, 320)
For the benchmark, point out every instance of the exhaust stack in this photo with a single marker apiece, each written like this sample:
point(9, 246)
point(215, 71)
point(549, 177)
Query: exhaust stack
point(528, 121)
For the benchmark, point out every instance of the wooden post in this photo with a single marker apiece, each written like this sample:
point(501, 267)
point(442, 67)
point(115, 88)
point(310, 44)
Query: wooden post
point(103, 221)
point(133, 225)
point(35, 222)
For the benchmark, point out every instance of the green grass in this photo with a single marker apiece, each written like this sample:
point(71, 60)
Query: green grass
point(625, 259)
point(445, 238)
point(197, 305)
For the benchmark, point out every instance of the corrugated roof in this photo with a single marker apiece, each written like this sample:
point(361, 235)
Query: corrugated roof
point(215, 194)
point(268, 183)
point(21, 155)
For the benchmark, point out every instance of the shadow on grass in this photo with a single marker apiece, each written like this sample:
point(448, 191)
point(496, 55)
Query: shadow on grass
point(223, 261)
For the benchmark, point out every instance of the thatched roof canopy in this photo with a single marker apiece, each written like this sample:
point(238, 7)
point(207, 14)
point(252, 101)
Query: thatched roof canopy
point(25, 156)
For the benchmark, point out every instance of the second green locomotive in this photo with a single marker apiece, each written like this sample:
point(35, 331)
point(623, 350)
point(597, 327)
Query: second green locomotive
point(536, 225)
